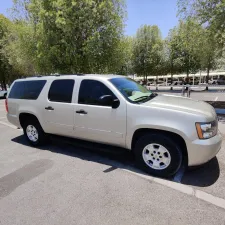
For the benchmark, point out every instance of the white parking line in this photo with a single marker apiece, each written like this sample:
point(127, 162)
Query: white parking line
point(8, 125)
point(220, 202)
point(216, 98)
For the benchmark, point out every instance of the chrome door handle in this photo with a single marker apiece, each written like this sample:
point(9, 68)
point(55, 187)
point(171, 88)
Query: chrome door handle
point(49, 108)
point(81, 112)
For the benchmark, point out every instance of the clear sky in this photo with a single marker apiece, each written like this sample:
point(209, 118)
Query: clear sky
point(4, 5)
point(152, 12)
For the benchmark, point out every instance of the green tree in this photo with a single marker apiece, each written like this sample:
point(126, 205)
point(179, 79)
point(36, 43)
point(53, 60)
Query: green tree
point(210, 13)
point(183, 45)
point(147, 51)
point(173, 62)
point(20, 49)
point(124, 57)
point(5, 67)
point(75, 36)
point(208, 53)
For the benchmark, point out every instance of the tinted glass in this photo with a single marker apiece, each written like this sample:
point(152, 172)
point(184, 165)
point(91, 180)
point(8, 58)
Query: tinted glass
point(91, 91)
point(61, 91)
point(27, 89)
point(130, 89)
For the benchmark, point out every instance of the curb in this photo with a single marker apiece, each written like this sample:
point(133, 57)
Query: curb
point(199, 91)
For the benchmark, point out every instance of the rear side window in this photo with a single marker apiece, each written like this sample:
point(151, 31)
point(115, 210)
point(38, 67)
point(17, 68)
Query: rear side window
point(29, 90)
point(61, 91)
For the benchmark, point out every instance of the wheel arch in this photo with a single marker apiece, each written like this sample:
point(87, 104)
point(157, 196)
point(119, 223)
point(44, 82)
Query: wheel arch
point(24, 116)
point(179, 139)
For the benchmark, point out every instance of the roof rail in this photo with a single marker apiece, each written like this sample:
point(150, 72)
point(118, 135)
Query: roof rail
point(79, 74)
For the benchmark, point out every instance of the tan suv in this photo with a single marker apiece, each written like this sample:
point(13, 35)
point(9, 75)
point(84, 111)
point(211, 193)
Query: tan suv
point(161, 130)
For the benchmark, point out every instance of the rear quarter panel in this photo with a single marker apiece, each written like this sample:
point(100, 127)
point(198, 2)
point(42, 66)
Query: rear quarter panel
point(18, 106)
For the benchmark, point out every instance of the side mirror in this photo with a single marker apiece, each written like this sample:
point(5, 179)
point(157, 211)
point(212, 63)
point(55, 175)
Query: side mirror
point(115, 103)
point(107, 100)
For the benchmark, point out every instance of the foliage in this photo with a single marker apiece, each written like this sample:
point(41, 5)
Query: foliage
point(210, 13)
point(147, 51)
point(208, 53)
point(5, 67)
point(86, 36)
point(183, 45)
point(126, 53)
point(76, 36)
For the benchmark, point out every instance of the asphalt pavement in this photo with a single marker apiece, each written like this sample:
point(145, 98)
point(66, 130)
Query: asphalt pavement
point(62, 184)
point(204, 96)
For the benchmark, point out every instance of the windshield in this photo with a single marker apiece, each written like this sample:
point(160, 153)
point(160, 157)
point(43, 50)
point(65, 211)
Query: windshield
point(131, 90)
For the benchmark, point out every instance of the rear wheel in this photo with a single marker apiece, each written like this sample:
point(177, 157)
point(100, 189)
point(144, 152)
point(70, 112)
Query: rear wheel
point(158, 155)
point(34, 132)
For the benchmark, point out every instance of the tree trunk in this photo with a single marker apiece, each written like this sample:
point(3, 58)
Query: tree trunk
point(157, 82)
point(200, 78)
point(188, 67)
point(3, 83)
point(171, 88)
point(207, 79)
point(171, 71)
point(187, 78)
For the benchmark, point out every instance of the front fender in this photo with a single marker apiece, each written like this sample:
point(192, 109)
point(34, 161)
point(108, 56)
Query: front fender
point(160, 119)
point(130, 134)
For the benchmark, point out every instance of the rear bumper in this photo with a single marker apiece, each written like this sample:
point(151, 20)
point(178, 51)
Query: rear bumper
point(201, 151)
point(13, 119)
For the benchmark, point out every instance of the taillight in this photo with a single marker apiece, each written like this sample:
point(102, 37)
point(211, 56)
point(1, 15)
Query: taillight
point(6, 105)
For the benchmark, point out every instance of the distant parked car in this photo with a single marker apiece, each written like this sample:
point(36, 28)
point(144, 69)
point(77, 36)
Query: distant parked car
point(213, 82)
point(3, 94)
point(177, 83)
point(221, 82)
point(161, 83)
point(203, 83)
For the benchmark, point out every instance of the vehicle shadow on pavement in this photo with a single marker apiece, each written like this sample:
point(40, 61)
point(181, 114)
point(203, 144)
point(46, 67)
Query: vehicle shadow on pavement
point(123, 159)
point(115, 159)
point(202, 176)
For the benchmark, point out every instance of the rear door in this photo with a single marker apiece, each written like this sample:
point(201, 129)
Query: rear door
point(58, 108)
point(97, 122)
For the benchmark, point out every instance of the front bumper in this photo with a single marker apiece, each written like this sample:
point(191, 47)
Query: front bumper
point(201, 151)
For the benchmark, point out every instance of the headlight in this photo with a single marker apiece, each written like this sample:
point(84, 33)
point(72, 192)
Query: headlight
point(207, 130)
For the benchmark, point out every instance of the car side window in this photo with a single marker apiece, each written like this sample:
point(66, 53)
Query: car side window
point(61, 91)
point(91, 91)
point(29, 90)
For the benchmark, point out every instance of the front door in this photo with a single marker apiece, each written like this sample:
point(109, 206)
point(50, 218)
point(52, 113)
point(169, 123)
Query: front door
point(95, 121)
point(58, 109)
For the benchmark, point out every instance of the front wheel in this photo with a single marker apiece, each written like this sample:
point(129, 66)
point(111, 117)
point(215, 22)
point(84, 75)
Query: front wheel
point(34, 133)
point(158, 155)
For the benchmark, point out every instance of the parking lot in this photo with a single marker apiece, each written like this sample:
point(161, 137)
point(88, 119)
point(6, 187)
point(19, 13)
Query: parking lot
point(205, 96)
point(63, 184)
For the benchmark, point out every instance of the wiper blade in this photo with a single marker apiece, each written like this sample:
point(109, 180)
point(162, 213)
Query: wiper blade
point(152, 95)
point(142, 97)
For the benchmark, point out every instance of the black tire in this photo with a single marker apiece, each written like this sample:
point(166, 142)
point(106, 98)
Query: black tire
point(5, 95)
point(165, 141)
point(42, 137)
